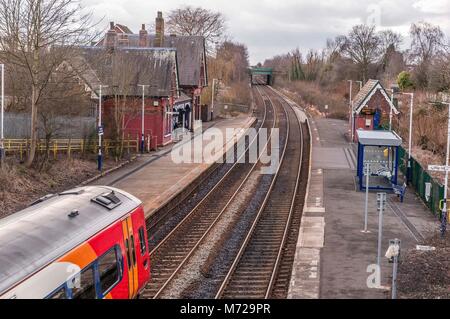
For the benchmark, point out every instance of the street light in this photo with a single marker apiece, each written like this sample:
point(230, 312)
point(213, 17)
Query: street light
point(100, 129)
point(447, 155)
point(408, 171)
point(143, 117)
point(350, 104)
point(2, 148)
point(360, 84)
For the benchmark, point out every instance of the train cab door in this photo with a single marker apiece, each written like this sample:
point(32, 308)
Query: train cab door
point(141, 247)
point(130, 252)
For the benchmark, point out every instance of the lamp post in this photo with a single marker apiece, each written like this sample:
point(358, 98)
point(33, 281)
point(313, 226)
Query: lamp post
point(360, 84)
point(350, 104)
point(143, 117)
point(100, 130)
point(2, 148)
point(447, 155)
point(408, 171)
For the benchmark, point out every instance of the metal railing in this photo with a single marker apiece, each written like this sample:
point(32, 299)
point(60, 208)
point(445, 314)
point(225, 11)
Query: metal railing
point(68, 146)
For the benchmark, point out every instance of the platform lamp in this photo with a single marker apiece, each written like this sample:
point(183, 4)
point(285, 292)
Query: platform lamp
point(447, 156)
point(350, 105)
point(100, 129)
point(143, 116)
point(409, 168)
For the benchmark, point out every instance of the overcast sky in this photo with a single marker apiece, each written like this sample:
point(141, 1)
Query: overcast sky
point(270, 27)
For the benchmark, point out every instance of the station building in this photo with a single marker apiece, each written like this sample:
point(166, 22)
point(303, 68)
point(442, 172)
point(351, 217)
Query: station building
point(121, 70)
point(191, 57)
point(371, 108)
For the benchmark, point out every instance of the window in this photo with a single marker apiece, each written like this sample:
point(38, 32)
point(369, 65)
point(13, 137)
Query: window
point(133, 250)
point(142, 243)
point(108, 269)
point(84, 288)
point(60, 293)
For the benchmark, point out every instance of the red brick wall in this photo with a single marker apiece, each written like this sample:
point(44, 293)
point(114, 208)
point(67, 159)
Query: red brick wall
point(132, 120)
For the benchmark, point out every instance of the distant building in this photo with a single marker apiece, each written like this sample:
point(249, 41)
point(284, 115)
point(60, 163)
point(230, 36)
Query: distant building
point(371, 107)
point(191, 54)
point(121, 70)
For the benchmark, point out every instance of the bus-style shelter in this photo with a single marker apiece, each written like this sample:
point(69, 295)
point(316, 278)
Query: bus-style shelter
point(379, 149)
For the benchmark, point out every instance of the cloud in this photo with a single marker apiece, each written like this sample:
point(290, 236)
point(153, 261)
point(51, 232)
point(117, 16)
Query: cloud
point(271, 27)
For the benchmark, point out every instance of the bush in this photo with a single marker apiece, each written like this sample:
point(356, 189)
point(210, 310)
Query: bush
point(404, 81)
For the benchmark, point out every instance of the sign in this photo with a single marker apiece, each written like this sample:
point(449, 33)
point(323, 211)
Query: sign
point(100, 130)
point(439, 168)
point(425, 248)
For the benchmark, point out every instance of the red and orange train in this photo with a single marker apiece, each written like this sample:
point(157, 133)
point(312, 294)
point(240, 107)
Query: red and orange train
point(89, 242)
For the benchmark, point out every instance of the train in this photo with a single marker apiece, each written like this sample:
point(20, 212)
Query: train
point(86, 243)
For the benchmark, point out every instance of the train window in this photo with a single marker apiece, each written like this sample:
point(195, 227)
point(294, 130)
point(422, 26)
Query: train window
point(85, 287)
point(127, 247)
point(133, 250)
point(108, 269)
point(143, 246)
point(58, 294)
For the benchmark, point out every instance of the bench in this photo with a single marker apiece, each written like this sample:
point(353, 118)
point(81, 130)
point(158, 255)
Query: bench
point(399, 190)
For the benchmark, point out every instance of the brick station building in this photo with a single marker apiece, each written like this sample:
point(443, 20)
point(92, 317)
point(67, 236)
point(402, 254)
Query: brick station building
point(191, 57)
point(121, 70)
point(371, 108)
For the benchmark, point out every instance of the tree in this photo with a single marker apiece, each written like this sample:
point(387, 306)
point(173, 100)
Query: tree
point(198, 21)
point(427, 42)
point(37, 36)
point(390, 40)
point(363, 47)
point(404, 81)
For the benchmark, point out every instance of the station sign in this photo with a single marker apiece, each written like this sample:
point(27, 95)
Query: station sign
point(100, 130)
point(438, 168)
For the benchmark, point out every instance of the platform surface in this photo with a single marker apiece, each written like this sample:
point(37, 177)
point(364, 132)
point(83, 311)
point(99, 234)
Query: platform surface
point(333, 255)
point(160, 178)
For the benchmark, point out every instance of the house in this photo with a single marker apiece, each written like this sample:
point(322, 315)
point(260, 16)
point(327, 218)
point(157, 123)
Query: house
point(371, 108)
point(121, 71)
point(191, 55)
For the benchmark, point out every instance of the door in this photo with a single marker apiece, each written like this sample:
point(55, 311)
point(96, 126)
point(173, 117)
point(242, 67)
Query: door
point(130, 253)
point(141, 247)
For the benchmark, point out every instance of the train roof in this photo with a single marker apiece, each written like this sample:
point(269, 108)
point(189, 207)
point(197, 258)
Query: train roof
point(45, 231)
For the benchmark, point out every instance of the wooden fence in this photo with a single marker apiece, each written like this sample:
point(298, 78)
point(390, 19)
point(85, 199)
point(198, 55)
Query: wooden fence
point(67, 146)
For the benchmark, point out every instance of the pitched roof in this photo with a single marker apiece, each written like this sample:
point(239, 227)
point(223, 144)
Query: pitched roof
point(27, 244)
point(366, 93)
point(123, 28)
point(191, 54)
point(123, 69)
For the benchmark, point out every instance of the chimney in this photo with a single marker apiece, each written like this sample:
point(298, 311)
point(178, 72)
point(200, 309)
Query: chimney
point(159, 28)
point(143, 37)
point(111, 36)
point(123, 40)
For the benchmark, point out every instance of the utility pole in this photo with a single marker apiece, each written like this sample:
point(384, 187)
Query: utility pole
point(143, 117)
point(2, 119)
point(100, 130)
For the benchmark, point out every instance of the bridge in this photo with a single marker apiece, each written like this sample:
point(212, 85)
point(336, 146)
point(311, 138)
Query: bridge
point(261, 75)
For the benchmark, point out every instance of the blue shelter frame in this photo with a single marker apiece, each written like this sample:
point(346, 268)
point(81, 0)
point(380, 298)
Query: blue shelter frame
point(379, 149)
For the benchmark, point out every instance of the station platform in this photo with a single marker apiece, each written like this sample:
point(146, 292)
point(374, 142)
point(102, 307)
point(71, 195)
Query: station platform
point(156, 178)
point(333, 254)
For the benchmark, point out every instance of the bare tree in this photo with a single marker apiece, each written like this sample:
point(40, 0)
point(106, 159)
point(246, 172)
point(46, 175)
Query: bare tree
point(427, 42)
point(334, 47)
point(363, 47)
point(390, 39)
point(37, 36)
point(198, 21)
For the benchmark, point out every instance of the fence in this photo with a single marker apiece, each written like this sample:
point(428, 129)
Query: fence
point(419, 178)
point(68, 146)
point(19, 126)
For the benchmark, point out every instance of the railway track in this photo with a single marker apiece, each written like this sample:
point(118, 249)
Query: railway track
point(262, 266)
point(170, 254)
